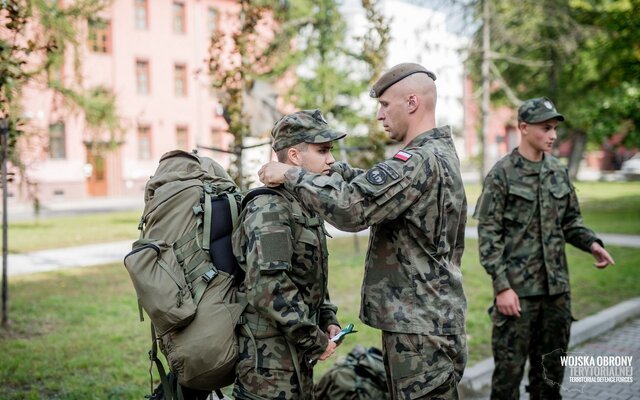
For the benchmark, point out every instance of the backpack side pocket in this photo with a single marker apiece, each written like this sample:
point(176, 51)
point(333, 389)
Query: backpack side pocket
point(160, 284)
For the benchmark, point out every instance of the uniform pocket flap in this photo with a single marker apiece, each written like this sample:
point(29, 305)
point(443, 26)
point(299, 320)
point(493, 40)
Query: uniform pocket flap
point(560, 191)
point(522, 191)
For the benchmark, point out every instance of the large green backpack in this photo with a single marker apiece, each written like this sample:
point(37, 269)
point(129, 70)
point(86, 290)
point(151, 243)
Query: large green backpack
point(184, 271)
point(358, 376)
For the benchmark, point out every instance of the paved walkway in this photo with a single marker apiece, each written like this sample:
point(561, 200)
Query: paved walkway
point(623, 341)
point(609, 333)
point(74, 257)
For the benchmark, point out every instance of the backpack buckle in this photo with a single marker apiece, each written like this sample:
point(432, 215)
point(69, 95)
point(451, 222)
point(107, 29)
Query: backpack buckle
point(209, 275)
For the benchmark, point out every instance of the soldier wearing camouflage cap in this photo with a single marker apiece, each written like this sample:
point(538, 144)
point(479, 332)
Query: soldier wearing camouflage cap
point(528, 209)
point(415, 205)
point(281, 246)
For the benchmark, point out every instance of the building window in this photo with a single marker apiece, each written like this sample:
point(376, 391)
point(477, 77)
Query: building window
point(179, 20)
point(55, 72)
point(141, 14)
point(144, 142)
point(100, 36)
point(57, 141)
point(182, 138)
point(143, 85)
point(212, 20)
point(180, 80)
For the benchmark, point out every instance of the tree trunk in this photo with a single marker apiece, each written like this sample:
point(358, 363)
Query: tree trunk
point(579, 141)
point(487, 154)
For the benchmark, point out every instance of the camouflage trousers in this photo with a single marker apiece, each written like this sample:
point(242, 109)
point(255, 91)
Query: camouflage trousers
point(541, 333)
point(269, 373)
point(423, 366)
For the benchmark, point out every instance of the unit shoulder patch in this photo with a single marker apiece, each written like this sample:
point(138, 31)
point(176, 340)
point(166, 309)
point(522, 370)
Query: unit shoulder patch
point(390, 171)
point(376, 176)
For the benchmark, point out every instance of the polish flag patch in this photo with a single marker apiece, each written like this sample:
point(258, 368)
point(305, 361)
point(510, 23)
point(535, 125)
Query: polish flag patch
point(402, 156)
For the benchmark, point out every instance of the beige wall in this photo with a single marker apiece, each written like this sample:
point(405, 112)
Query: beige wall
point(161, 110)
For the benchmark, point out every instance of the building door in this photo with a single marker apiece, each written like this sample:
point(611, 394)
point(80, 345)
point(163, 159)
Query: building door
point(97, 174)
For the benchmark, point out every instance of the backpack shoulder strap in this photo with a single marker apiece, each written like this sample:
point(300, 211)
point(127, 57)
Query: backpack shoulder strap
point(296, 211)
point(253, 193)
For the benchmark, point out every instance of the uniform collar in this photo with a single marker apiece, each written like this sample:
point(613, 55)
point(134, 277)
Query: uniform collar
point(523, 167)
point(435, 133)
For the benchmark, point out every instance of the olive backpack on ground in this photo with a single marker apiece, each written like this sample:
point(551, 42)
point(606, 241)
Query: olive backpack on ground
point(358, 376)
point(185, 274)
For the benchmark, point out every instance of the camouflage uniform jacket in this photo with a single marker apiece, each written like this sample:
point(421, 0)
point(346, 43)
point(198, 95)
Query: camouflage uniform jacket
point(286, 274)
point(506, 210)
point(416, 207)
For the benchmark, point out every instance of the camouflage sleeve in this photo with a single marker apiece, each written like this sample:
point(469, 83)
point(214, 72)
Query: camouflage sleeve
point(379, 194)
point(489, 212)
point(346, 171)
point(575, 232)
point(458, 251)
point(328, 313)
point(270, 290)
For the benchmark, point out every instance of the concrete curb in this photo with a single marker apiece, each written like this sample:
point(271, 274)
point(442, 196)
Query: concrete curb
point(477, 379)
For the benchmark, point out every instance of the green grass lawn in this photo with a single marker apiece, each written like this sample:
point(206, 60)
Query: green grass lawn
point(75, 334)
point(55, 232)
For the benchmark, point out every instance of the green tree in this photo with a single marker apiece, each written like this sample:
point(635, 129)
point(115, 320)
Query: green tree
point(259, 47)
point(374, 53)
point(325, 79)
point(337, 70)
point(35, 35)
point(34, 38)
point(584, 55)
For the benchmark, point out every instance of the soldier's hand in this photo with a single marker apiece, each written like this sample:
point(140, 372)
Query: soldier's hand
point(601, 255)
point(331, 348)
point(272, 173)
point(333, 330)
point(508, 303)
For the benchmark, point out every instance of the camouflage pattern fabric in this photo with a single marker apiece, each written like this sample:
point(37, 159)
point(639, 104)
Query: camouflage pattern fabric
point(275, 377)
point(538, 110)
point(286, 288)
point(416, 207)
point(358, 376)
point(508, 230)
point(308, 126)
point(526, 214)
point(542, 334)
point(424, 366)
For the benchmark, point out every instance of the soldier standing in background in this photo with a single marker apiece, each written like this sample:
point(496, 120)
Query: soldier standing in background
point(282, 248)
point(416, 207)
point(528, 209)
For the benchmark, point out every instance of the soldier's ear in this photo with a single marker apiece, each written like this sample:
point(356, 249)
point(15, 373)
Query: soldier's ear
point(523, 127)
point(293, 154)
point(413, 101)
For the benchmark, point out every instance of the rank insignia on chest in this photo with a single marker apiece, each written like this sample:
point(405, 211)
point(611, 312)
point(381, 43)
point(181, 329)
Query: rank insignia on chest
point(402, 156)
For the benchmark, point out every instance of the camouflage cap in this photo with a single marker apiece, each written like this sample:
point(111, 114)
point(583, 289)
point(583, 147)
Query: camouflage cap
point(308, 126)
point(537, 110)
point(396, 74)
